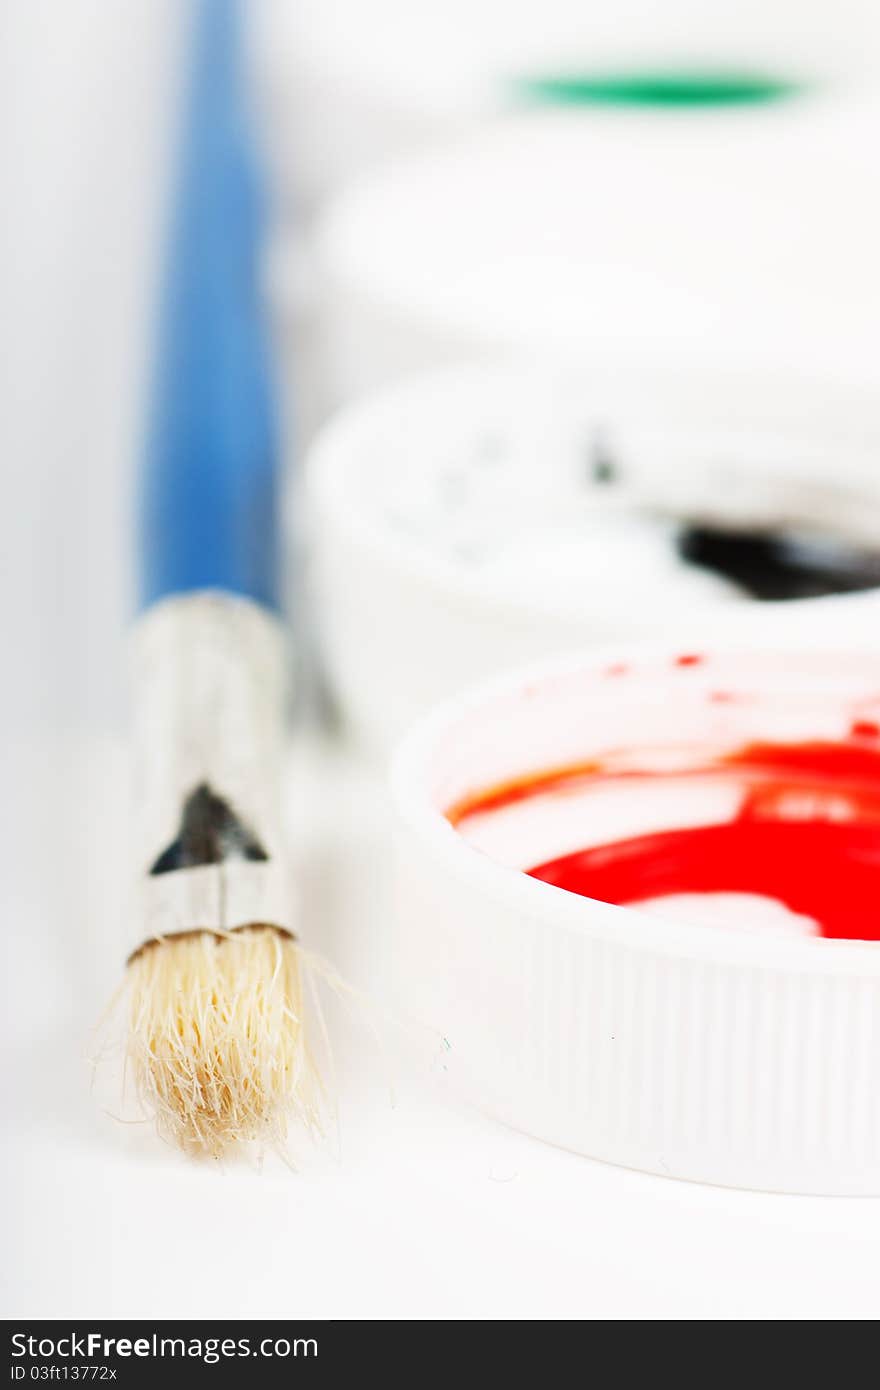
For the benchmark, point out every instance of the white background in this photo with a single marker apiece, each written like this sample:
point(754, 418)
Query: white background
point(420, 1209)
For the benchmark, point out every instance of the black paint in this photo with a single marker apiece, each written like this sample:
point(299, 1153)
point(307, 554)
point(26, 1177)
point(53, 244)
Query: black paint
point(210, 833)
point(772, 565)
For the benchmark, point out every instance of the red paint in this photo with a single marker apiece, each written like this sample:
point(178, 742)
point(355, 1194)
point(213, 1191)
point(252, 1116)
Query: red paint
point(834, 768)
point(817, 761)
point(807, 833)
point(689, 659)
point(865, 728)
point(822, 869)
point(559, 779)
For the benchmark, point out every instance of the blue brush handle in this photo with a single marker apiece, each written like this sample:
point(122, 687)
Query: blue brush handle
point(209, 495)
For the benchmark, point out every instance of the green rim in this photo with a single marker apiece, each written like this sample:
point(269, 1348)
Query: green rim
point(675, 88)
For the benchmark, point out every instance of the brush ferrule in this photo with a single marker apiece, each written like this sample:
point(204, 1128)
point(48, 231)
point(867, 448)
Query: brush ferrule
point(210, 678)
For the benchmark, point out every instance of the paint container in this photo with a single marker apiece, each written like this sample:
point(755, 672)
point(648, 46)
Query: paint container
point(747, 1058)
point(487, 515)
point(353, 86)
point(728, 238)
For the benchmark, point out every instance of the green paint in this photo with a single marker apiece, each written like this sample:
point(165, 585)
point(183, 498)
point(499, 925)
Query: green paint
point(646, 88)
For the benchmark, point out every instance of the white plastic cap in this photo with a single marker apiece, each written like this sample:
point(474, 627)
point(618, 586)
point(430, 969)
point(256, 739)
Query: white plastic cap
point(404, 621)
point(732, 238)
point(745, 1059)
point(356, 84)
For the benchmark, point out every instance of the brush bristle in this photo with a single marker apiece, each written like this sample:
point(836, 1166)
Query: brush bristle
point(217, 1042)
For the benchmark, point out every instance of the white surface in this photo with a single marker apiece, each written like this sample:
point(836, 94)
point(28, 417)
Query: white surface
point(430, 1211)
point(88, 100)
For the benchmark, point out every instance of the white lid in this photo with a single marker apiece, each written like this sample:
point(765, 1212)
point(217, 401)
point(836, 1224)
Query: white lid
point(748, 1059)
point(739, 237)
point(455, 530)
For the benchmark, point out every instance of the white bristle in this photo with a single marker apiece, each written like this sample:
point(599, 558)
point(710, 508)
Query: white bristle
point(217, 1042)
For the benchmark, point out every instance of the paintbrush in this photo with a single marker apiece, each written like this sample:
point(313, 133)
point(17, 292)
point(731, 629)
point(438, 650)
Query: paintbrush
point(217, 1043)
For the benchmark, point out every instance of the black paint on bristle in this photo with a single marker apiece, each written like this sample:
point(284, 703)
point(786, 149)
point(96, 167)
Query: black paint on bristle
point(210, 833)
point(773, 566)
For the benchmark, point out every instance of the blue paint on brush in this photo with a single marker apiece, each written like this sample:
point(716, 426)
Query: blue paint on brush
point(209, 496)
